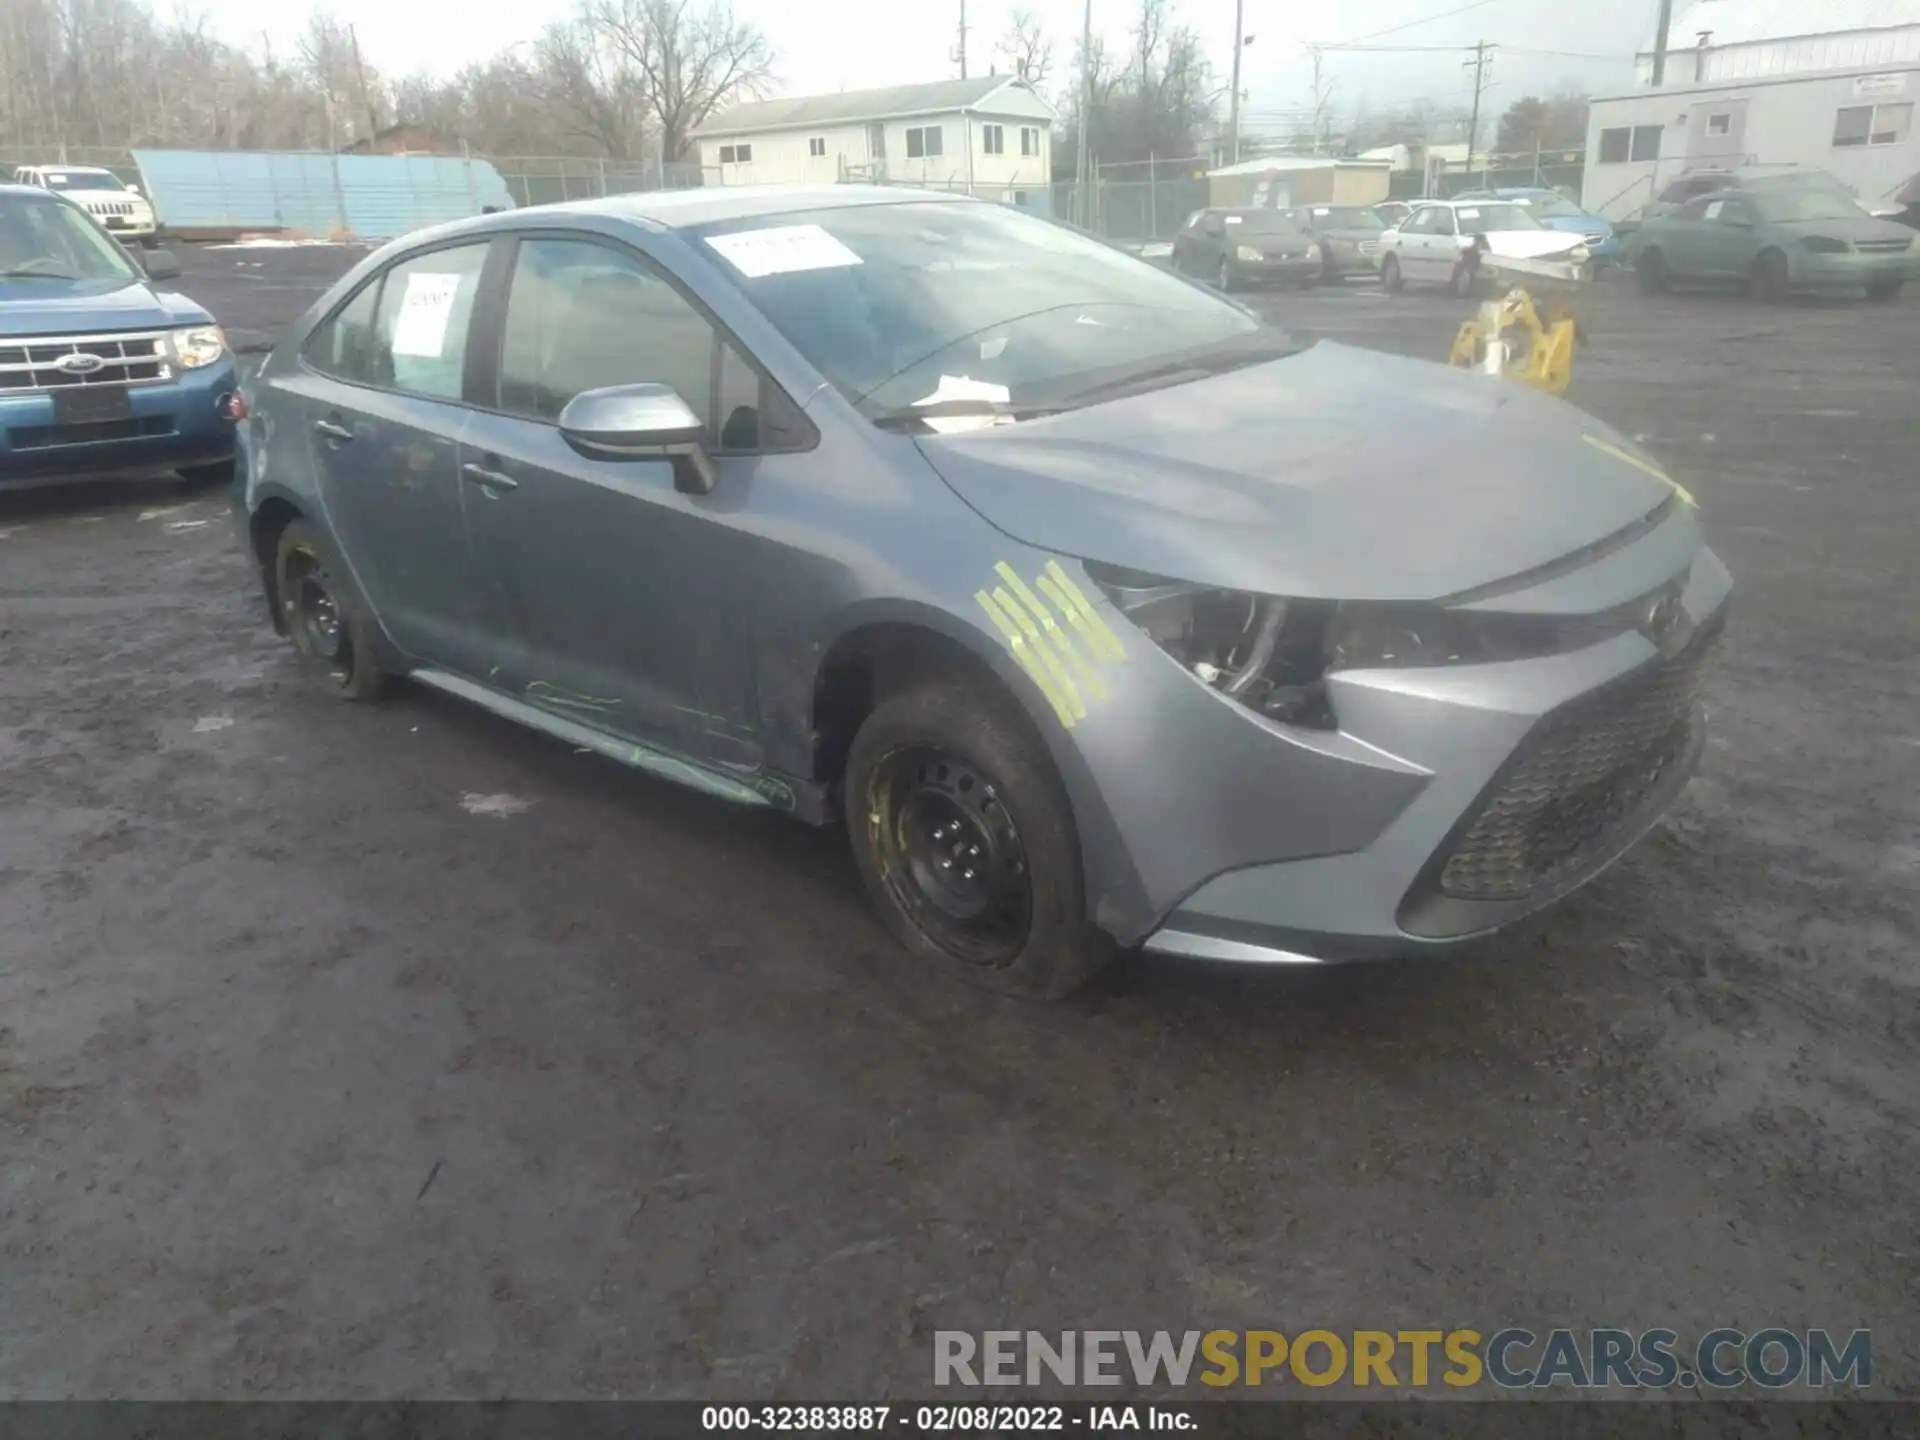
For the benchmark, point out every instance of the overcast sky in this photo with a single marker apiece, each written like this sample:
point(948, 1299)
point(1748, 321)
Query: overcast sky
point(850, 44)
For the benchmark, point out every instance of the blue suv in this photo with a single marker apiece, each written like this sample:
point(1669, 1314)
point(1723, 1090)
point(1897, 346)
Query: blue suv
point(1556, 212)
point(102, 375)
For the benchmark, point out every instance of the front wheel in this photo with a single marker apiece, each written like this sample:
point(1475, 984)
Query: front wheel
point(333, 640)
point(1885, 289)
point(962, 832)
point(1223, 277)
point(1390, 275)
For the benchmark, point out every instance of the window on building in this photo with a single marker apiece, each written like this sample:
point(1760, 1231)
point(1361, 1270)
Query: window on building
point(1615, 146)
point(817, 146)
point(1029, 140)
point(1646, 142)
point(736, 154)
point(1873, 124)
point(1721, 124)
point(993, 140)
point(923, 142)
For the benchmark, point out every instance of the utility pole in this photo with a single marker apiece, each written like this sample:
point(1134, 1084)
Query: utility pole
point(1082, 164)
point(1664, 24)
point(1233, 102)
point(360, 79)
point(1479, 66)
point(960, 50)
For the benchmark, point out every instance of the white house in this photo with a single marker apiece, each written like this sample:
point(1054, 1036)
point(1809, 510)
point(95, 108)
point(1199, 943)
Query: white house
point(1764, 84)
point(991, 135)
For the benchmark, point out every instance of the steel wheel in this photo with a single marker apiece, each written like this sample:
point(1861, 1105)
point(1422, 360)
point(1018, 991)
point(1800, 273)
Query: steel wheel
point(333, 641)
point(1390, 275)
point(950, 855)
point(314, 614)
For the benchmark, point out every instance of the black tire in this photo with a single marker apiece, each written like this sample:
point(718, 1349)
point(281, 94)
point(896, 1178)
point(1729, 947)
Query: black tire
point(1223, 277)
point(1884, 290)
point(1650, 272)
point(1390, 275)
point(334, 642)
point(958, 753)
point(1771, 280)
point(1329, 271)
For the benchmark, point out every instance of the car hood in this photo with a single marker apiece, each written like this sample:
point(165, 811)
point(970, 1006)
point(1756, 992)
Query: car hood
point(1582, 224)
point(76, 307)
point(1336, 473)
point(1531, 244)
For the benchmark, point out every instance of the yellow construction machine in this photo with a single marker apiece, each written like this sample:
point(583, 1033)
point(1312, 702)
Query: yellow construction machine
point(1514, 337)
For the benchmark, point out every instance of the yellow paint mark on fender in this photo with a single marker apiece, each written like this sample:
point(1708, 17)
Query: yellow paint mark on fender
point(1038, 644)
point(1024, 656)
point(1057, 638)
point(1645, 467)
point(1081, 614)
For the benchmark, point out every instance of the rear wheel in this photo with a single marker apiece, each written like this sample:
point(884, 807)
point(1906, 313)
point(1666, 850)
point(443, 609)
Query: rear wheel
point(333, 640)
point(962, 832)
point(1771, 281)
point(1650, 270)
point(1390, 275)
point(1885, 289)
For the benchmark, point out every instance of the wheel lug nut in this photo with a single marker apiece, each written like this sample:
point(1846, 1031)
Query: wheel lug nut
point(967, 875)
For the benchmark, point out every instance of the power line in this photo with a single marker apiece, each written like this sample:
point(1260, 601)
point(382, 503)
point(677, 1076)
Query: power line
point(1410, 24)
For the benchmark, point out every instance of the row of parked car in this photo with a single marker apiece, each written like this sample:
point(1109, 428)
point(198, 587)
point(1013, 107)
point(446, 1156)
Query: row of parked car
point(1775, 232)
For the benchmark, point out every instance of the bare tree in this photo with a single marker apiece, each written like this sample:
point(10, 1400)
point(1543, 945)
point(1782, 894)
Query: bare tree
point(1026, 48)
point(696, 58)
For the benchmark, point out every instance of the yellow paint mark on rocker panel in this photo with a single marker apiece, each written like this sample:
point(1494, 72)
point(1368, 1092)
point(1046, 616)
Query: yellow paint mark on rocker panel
point(1655, 471)
point(1023, 654)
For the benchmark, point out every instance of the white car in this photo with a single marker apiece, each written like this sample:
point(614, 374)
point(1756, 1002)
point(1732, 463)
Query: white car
point(1452, 242)
point(120, 207)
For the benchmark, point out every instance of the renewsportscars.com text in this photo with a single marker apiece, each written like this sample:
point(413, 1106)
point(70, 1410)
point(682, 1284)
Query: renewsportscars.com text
point(1510, 1358)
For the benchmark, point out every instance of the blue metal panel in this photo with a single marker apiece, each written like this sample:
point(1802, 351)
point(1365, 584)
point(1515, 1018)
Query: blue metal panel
point(373, 196)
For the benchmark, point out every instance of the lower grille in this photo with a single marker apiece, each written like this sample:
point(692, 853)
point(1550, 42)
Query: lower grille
point(1882, 247)
point(1585, 775)
point(47, 437)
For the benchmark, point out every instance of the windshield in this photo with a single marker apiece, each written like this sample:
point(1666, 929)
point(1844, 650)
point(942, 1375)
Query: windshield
point(49, 239)
point(1263, 222)
point(1552, 207)
point(893, 303)
point(1494, 215)
point(1345, 217)
point(1809, 203)
point(81, 180)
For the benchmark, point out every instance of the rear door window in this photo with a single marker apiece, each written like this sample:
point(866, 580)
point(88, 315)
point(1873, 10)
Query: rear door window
point(426, 307)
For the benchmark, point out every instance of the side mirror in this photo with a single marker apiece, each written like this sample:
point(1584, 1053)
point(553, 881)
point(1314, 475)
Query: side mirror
point(161, 264)
point(641, 422)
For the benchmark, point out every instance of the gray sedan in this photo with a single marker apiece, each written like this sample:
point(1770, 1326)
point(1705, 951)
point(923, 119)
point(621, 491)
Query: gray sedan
point(1775, 242)
point(1101, 614)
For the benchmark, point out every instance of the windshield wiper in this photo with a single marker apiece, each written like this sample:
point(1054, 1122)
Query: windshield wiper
point(901, 416)
point(1193, 364)
point(36, 275)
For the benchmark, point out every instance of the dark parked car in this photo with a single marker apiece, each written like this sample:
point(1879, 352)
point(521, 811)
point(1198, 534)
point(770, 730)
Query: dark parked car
point(1100, 612)
point(1349, 237)
point(1776, 242)
point(1246, 247)
point(102, 373)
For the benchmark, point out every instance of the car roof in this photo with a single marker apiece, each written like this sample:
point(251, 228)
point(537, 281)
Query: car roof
point(679, 209)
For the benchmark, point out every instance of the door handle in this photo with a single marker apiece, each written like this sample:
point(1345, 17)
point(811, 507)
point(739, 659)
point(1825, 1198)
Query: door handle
point(333, 430)
point(488, 479)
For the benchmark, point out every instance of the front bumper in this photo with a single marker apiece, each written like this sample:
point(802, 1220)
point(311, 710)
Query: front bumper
point(1274, 270)
point(1346, 257)
point(136, 226)
point(1853, 271)
point(1543, 772)
point(175, 425)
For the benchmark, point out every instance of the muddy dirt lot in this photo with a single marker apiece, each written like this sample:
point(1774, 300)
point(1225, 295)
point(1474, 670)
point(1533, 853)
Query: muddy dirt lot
point(313, 1082)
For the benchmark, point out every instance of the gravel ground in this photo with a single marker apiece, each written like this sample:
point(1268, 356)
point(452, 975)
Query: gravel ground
point(313, 1082)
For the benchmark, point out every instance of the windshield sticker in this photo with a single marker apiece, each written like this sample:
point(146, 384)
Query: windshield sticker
point(1321, 210)
point(782, 250)
point(57, 176)
point(1235, 219)
point(993, 349)
point(1469, 214)
point(421, 328)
